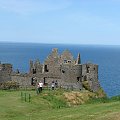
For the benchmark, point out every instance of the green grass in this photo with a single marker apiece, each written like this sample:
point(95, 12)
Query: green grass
point(51, 105)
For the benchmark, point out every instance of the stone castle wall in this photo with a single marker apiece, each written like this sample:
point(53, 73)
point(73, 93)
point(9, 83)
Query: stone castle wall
point(72, 75)
point(90, 73)
point(63, 68)
point(22, 79)
point(5, 72)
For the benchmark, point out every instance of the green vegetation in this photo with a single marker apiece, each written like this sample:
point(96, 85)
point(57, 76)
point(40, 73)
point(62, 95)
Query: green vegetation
point(9, 85)
point(53, 105)
point(86, 85)
point(100, 93)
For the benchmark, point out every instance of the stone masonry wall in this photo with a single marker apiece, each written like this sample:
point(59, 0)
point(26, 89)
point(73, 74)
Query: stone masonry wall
point(5, 72)
point(22, 79)
point(63, 68)
point(90, 73)
point(72, 75)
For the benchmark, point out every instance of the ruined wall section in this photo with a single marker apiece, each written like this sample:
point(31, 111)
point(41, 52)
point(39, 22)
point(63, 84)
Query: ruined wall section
point(90, 74)
point(66, 58)
point(38, 66)
point(51, 65)
point(71, 76)
point(31, 67)
point(35, 67)
point(24, 80)
point(5, 72)
point(6, 68)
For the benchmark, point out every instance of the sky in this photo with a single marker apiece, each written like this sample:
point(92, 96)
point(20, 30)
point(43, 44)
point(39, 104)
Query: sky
point(60, 21)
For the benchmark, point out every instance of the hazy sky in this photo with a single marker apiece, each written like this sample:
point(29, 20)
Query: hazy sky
point(60, 21)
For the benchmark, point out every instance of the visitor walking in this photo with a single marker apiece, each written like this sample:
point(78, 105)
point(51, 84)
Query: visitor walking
point(41, 86)
point(53, 85)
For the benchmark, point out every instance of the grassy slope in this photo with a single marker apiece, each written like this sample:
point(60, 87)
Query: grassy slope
point(48, 106)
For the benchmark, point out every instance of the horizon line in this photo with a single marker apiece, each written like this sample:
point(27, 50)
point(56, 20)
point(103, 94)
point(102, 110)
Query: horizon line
point(58, 43)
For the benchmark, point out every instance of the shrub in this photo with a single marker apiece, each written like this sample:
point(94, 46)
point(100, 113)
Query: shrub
point(9, 85)
point(86, 85)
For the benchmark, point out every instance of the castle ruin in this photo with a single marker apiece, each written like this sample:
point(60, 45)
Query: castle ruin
point(67, 71)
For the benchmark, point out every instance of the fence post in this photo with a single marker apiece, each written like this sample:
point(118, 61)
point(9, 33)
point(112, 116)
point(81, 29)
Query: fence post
point(25, 97)
point(29, 97)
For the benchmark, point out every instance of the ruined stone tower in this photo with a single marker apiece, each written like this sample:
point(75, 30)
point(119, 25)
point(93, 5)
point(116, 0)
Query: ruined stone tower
point(5, 72)
point(90, 74)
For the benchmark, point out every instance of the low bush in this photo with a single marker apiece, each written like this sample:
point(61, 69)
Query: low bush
point(9, 85)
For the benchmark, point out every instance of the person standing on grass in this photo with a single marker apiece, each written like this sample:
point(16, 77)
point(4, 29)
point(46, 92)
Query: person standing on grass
point(41, 86)
point(56, 84)
point(38, 89)
point(53, 85)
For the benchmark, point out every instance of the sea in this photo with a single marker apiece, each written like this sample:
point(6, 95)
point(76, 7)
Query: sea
point(106, 56)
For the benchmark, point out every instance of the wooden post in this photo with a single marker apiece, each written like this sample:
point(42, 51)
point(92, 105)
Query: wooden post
point(29, 97)
point(25, 97)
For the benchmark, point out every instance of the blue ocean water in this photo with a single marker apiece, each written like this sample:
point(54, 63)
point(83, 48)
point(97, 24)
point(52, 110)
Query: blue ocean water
point(107, 57)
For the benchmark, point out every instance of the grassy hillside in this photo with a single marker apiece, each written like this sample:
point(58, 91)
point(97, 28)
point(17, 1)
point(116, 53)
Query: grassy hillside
point(54, 105)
